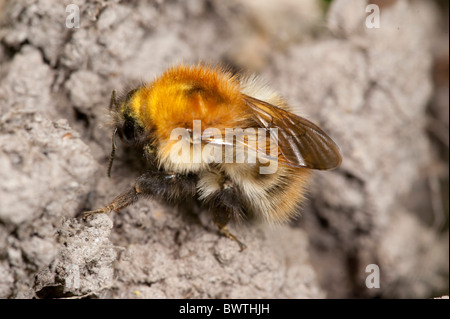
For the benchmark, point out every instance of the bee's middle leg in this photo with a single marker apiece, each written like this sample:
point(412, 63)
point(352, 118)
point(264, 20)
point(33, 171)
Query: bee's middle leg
point(221, 219)
point(226, 206)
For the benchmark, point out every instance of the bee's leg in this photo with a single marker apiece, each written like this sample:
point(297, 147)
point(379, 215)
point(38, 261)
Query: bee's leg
point(221, 218)
point(155, 184)
point(121, 201)
point(227, 205)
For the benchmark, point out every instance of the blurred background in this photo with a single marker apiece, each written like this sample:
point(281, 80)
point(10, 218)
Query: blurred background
point(373, 74)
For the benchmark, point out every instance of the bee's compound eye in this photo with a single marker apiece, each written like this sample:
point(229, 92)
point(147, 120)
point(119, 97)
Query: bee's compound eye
point(128, 132)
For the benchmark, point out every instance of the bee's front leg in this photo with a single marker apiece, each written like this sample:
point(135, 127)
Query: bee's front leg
point(121, 201)
point(155, 184)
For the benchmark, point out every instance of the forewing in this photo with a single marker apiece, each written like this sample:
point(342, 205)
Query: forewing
point(301, 142)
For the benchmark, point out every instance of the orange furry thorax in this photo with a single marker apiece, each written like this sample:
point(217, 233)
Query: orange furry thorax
point(184, 94)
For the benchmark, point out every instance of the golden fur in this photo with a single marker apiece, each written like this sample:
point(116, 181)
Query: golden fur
point(215, 97)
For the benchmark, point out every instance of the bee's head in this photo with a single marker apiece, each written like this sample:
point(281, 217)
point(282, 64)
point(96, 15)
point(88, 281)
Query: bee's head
point(126, 123)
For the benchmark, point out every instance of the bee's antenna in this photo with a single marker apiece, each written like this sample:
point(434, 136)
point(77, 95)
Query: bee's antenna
point(113, 151)
point(113, 101)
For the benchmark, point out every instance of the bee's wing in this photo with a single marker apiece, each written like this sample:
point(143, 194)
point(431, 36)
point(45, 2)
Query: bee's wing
point(302, 143)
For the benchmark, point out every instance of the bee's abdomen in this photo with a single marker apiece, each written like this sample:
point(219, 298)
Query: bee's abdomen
point(274, 198)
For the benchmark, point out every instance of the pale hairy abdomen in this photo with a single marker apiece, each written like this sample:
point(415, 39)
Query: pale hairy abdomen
point(274, 198)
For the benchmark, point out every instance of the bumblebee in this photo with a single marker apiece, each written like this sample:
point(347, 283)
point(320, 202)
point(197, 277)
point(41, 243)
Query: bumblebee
point(221, 172)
